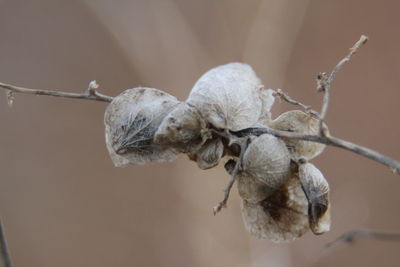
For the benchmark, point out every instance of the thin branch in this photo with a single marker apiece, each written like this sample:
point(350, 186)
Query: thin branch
point(244, 142)
point(324, 82)
point(328, 140)
point(285, 97)
point(88, 94)
point(363, 40)
point(5, 254)
point(350, 237)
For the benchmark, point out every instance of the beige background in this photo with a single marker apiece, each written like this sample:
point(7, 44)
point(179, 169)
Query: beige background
point(64, 204)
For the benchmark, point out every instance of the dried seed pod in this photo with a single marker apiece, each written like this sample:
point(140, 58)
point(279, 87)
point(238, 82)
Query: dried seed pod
point(267, 160)
point(131, 121)
point(251, 189)
point(230, 97)
point(209, 155)
point(265, 168)
point(299, 122)
point(183, 129)
point(268, 100)
point(280, 217)
point(316, 189)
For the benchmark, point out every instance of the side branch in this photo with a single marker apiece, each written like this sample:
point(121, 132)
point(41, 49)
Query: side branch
point(285, 97)
point(324, 82)
point(331, 141)
point(4, 253)
point(88, 94)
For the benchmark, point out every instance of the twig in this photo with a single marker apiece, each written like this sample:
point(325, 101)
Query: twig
point(5, 254)
point(328, 140)
point(244, 142)
point(285, 97)
point(324, 83)
point(89, 94)
point(349, 237)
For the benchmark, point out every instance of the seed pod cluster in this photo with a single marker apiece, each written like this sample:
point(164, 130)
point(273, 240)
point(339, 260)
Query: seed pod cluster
point(283, 196)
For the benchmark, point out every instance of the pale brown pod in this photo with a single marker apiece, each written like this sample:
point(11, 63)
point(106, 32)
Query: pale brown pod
point(265, 167)
point(267, 160)
point(251, 189)
point(280, 217)
point(231, 97)
point(316, 188)
point(131, 120)
point(183, 129)
point(209, 154)
point(299, 122)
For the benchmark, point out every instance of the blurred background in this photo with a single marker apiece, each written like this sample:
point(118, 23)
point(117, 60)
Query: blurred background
point(62, 201)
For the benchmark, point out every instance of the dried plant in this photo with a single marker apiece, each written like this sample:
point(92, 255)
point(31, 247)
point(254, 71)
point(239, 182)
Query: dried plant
point(227, 114)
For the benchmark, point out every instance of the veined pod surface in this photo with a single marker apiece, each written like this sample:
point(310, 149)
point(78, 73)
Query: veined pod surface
point(183, 129)
point(281, 217)
point(231, 97)
point(251, 189)
point(131, 120)
point(299, 122)
point(267, 160)
point(316, 188)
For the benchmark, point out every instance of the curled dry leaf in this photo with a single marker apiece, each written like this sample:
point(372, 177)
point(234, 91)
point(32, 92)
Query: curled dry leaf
point(131, 121)
point(299, 122)
point(316, 189)
point(183, 129)
point(280, 217)
point(231, 97)
point(209, 155)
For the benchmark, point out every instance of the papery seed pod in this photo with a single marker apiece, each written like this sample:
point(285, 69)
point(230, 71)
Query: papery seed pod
point(316, 189)
point(267, 160)
point(183, 129)
point(251, 189)
point(299, 122)
point(231, 97)
point(280, 217)
point(131, 121)
point(268, 100)
point(209, 155)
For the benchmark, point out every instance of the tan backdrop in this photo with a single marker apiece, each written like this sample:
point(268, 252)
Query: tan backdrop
point(64, 204)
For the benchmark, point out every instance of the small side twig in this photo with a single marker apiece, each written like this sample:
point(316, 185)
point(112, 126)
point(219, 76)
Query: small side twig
point(285, 97)
point(5, 254)
point(244, 142)
point(351, 236)
point(324, 82)
point(328, 140)
point(89, 94)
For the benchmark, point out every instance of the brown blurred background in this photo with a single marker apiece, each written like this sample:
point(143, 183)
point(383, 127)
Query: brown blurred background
point(64, 204)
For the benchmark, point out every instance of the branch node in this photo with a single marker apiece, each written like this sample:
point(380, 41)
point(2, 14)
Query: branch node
point(91, 90)
point(322, 82)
